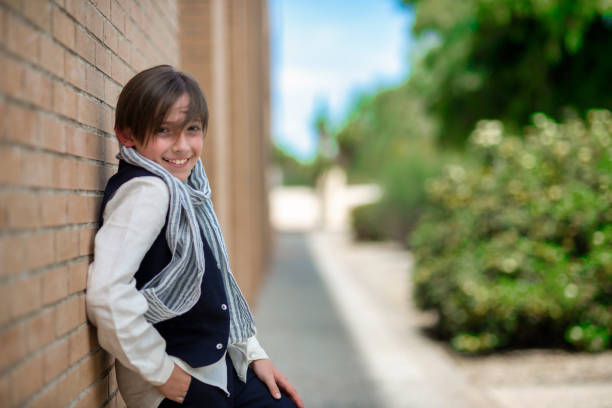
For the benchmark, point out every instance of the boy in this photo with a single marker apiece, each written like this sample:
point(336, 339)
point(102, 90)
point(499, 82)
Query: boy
point(160, 290)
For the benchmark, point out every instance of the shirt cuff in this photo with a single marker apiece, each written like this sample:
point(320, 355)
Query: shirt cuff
point(254, 350)
point(164, 373)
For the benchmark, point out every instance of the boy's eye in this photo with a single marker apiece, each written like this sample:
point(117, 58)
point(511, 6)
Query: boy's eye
point(195, 128)
point(163, 130)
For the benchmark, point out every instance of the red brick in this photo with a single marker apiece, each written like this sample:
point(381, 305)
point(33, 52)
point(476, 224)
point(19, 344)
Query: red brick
point(88, 176)
point(124, 48)
point(40, 330)
point(120, 71)
point(93, 208)
point(117, 16)
point(64, 100)
point(21, 125)
point(22, 210)
point(2, 26)
point(66, 244)
point(75, 71)
point(26, 380)
point(40, 249)
point(77, 209)
point(111, 36)
point(52, 57)
point(85, 45)
point(10, 165)
point(13, 340)
point(103, 59)
point(78, 276)
point(84, 144)
point(25, 295)
point(48, 398)
point(5, 389)
point(12, 78)
point(111, 92)
point(22, 39)
point(137, 61)
point(81, 342)
point(3, 114)
point(125, 5)
point(5, 303)
point(106, 119)
point(3, 212)
point(12, 255)
point(39, 13)
point(87, 111)
point(95, 22)
point(92, 368)
point(108, 173)
point(64, 174)
point(55, 360)
point(53, 134)
point(69, 315)
point(54, 285)
point(95, 396)
point(37, 169)
point(95, 82)
point(77, 9)
point(111, 148)
point(104, 7)
point(63, 28)
point(39, 89)
point(68, 388)
point(131, 24)
point(86, 241)
point(53, 210)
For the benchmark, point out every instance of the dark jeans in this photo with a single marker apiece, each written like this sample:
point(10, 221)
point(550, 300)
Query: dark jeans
point(252, 394)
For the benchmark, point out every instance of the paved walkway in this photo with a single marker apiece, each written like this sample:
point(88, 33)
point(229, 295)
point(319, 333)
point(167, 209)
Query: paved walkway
point(336, 318)
point(358, 346)
point(301, 329)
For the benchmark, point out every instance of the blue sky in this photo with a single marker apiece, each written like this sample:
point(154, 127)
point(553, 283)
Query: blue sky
point(324, 52)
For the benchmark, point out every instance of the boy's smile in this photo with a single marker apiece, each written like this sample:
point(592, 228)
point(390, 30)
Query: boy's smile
point(174, 146)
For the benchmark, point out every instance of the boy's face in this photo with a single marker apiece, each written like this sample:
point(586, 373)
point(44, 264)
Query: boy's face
point(174, 147)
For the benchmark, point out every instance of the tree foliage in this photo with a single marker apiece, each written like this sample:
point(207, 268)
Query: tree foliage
point(506, 59)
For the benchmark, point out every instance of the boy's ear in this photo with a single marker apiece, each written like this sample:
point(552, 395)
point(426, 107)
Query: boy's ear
point(125, 137)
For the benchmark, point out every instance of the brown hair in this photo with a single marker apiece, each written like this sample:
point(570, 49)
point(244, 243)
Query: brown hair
point(145, 100)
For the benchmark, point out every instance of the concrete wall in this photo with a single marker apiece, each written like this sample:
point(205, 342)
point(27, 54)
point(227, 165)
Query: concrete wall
point(62, 66)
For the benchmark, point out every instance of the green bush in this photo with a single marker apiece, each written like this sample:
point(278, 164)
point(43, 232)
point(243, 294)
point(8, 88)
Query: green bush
point(365, 222)
point(514, 248)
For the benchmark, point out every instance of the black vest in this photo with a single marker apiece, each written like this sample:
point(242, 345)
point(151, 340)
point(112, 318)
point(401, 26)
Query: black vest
point(200, 336)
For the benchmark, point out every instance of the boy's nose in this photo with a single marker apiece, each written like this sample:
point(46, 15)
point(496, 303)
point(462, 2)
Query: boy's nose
point(180, 143)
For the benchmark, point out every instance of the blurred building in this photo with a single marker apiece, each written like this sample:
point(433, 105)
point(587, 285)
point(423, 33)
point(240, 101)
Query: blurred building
point(63, 63)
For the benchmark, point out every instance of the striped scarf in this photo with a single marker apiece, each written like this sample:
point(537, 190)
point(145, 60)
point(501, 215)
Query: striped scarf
point(176, 289)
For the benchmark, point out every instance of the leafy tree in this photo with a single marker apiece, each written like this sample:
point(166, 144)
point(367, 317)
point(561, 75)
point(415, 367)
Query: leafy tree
point(506, 59)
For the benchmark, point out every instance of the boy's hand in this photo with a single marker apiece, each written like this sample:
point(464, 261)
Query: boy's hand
point(177, 385)
point(275, 381)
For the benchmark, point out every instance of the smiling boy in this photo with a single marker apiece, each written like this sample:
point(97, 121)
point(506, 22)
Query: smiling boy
point(160, 289)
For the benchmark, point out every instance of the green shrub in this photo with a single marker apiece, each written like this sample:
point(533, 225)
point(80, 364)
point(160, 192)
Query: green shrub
point(514, 249)
point(366, 223)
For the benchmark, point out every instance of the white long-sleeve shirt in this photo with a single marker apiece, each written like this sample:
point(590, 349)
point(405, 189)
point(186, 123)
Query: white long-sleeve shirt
point(133, 219)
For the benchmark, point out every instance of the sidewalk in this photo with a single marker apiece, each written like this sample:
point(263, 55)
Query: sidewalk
point(300, 328)
point(337, 318)
point(343, 335)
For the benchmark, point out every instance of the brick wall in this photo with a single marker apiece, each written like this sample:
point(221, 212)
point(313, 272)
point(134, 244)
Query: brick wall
point(224, 44)
point(62, 66)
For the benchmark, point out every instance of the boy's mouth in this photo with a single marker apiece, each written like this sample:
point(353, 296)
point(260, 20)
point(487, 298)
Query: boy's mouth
point(177, 162)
